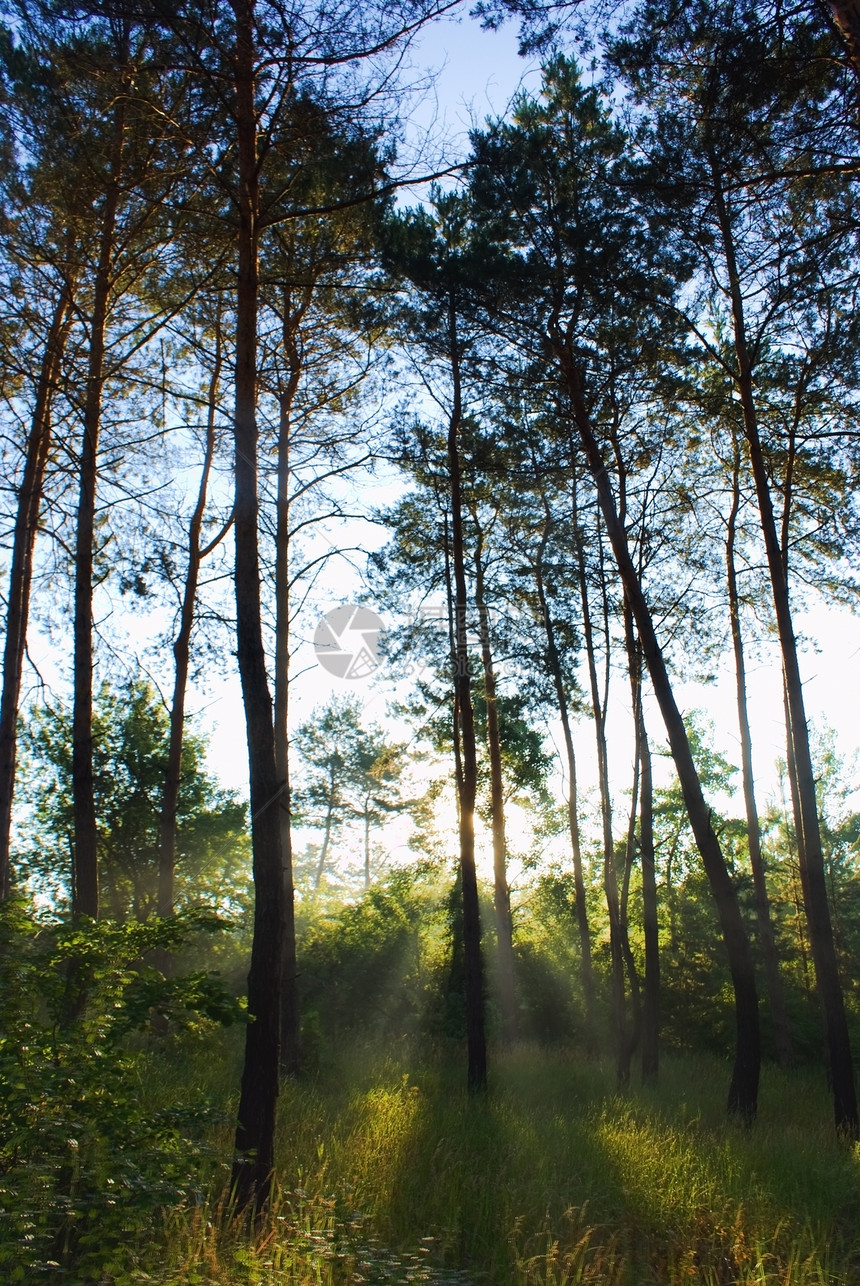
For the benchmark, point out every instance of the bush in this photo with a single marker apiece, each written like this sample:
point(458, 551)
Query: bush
point(85, 1166)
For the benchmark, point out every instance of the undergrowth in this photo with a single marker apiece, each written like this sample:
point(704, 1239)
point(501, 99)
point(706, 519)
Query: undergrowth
point(388, 1176)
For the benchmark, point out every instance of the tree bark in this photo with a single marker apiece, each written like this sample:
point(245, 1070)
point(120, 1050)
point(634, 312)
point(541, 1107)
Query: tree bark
point(502, 895)
point(85, 877)
point(809, 838)
point(581, 909)
point(779, 1017)
point(290, 1018)
point(21, 571)
point(651, 1002)
point(641, 782)
point(634, 665)
point(255, 1132)
point(610, 874)
point(743, 1088)
point(452, 647)
point(182, 657)
point(465, 730)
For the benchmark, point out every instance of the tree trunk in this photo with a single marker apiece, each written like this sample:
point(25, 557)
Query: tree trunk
point(21, 571)
point(290, 1017)
point(452, 647)
point(809, 838)
point(779, 1017)
point(634, 665)
point(255, 1132)
point(743, 1089)
point(641, 781)
point(633, 1035)
point(581, 909)
point(85, 879)
point(502, 895)
point(182, 656)
point(465, 730)
point(610, 875)
point(651, 1005)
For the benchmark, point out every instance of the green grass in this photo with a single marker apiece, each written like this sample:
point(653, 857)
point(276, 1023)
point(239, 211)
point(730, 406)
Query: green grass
point(394, 1174)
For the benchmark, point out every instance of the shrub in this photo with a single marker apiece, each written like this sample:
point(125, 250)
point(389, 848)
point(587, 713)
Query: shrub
point(85, 1166)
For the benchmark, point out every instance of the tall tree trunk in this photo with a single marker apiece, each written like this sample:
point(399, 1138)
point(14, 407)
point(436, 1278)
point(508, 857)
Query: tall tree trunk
point(743, 1089)
point(581, 909)
point(641, 781)
point(465, 728)
point(651, 1005)
point(633, 1033)
point(779, 1017)
point(610, 875)
point(501, 891)
point(85, 879)
point(634, 665)
point(182, 657)
point(452, 647)
point(290, 1018)
point(809, 838)
point(21, 571)
point(255, 1132)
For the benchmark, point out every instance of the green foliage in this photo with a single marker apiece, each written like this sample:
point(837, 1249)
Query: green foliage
point(546, 1012)
point(87, 1162)
point(349, 775)
point(446, 1011)
point(551, 1007)
point(836, 778)
point(370, 967)
point(131, 737)
point(525, 762)
point(836, 783)
point(696, 997)
point(389, 968)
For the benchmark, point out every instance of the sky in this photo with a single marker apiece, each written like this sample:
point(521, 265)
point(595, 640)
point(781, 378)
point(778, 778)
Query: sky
point(476, 75)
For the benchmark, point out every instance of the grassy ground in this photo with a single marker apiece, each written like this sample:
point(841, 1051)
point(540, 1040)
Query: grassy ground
point(391, 1175)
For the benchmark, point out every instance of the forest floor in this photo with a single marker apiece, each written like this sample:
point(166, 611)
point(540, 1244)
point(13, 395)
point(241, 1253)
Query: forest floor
point(391, 1174)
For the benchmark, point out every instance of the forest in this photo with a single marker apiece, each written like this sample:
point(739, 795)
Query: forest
point(460, 989)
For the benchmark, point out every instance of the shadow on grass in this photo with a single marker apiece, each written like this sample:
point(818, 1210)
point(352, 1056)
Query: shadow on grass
point(551, 1178)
